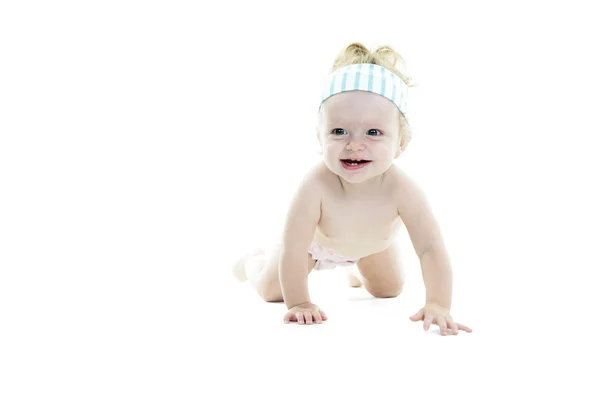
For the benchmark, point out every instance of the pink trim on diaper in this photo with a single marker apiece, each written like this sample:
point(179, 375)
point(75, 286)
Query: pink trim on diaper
point(327, 259)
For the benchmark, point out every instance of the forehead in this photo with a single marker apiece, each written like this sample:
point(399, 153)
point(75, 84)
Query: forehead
point(359, 105)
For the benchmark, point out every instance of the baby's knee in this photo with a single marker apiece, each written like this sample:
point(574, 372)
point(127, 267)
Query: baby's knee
point(271, 294)
point(384, 292)
point(272, 298)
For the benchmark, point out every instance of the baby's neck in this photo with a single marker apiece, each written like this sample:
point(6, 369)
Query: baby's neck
point(362, 189)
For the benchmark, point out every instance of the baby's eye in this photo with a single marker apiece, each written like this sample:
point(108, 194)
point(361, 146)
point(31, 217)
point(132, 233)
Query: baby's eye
point(376, 131)
point(338, 131)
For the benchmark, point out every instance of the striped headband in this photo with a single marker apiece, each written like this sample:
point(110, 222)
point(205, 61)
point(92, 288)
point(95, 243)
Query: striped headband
point(367, 77)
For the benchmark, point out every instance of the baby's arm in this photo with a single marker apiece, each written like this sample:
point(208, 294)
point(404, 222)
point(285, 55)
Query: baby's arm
point(301, 221)
point(427, 240)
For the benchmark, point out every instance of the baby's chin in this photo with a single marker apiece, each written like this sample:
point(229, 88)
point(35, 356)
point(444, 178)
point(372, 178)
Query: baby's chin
point(355, 179)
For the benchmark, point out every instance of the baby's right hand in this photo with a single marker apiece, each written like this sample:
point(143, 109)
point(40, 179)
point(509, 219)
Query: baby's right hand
point(305, 313)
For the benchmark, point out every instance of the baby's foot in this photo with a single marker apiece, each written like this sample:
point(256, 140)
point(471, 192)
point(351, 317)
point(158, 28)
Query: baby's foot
point(239, 269)
point(353, 276)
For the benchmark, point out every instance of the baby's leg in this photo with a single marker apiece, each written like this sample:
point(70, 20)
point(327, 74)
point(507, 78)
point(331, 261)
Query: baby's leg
point(382, 274)
point(263, 274)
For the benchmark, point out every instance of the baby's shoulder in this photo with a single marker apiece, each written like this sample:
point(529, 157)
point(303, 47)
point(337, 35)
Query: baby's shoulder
point(313, 182)
point(400, 184)
point(319, 176)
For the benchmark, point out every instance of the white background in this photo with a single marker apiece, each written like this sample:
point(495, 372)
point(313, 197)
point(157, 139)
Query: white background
point(146, 145)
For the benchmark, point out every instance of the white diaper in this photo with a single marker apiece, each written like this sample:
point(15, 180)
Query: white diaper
point(327, 259)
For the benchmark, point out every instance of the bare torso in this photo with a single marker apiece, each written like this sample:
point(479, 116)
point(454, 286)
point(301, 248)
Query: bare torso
point(357, 225)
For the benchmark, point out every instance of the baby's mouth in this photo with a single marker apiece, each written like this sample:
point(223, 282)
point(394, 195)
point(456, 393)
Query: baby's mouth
point(354, 163)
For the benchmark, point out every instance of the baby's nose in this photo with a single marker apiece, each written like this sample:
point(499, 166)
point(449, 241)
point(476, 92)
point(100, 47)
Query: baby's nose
point(354, 146)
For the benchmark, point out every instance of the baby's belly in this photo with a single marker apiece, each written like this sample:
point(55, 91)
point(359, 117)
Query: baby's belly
point(353, 249)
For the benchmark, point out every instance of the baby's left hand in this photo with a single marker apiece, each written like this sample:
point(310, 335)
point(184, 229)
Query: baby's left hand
point(432, 313)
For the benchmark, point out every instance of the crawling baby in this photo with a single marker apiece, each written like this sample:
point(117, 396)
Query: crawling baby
point(348, 209)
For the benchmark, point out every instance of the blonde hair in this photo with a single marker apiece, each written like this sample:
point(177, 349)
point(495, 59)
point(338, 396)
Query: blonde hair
point(385, 56)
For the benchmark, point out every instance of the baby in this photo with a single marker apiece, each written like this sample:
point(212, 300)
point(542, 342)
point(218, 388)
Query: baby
point(349, 208)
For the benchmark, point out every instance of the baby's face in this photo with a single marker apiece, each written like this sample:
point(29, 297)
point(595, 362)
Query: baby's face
point(357, 126)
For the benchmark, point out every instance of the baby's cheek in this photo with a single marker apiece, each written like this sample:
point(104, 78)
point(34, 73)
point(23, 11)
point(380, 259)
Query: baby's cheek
point(383, 150)
point(334, 148)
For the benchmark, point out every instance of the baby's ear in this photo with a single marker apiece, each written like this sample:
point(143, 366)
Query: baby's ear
point(399, 149)
point(319, 140)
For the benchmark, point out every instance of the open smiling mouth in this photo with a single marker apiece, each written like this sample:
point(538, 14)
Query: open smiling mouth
point(354, 164)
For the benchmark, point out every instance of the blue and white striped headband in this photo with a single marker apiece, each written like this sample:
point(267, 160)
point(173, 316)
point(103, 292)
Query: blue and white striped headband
point(367, 77)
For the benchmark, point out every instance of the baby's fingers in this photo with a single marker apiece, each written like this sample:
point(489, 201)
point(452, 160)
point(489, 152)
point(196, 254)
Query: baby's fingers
point(418, 316)
point(443, 326)
point(300, 318)
point(428, 320)
point(317, 317)
point(323, 315)
point(452, 325)
point(308, 317)
point(290, 316)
